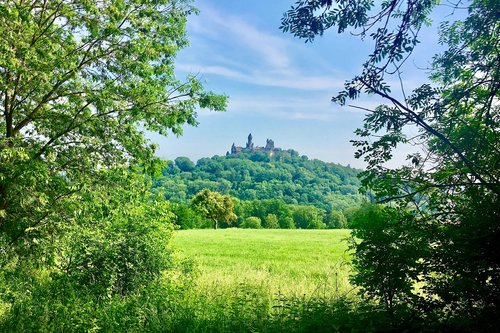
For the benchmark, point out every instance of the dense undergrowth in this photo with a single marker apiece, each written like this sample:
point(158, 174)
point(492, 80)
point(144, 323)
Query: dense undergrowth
point(176, 303)
point(164, 306)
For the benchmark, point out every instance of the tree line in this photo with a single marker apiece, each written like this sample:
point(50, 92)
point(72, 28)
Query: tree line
point(212, 209)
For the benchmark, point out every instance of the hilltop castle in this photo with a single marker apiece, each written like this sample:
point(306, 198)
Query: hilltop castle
point(250, 148)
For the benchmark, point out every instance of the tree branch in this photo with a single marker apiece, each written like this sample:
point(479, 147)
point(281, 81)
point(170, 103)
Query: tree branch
point(493, 186)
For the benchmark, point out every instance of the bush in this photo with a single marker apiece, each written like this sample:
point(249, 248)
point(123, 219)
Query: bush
point(336, 220)
point(287, 223)
point(272, 221)
point(388, 246)
point(57, 305)
point(251, 222)
point(100, 273)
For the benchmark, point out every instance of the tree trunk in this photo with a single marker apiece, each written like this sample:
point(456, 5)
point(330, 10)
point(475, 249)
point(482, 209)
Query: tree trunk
point(3, 203)
point(215, 224)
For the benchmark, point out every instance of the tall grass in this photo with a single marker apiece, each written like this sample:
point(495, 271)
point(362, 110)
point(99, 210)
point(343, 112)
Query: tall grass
point(289, 262)
point(271, 281)
point(245, 281)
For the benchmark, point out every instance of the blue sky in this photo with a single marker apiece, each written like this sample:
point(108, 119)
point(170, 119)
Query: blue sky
point(279, 87)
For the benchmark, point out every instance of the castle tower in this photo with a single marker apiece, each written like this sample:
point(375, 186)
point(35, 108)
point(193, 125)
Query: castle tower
point(269, 145)
point(249, 143)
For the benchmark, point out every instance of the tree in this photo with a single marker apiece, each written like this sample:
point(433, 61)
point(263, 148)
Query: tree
point(272, 221)
point(335, 220)
point(466, 93)
point(79, 80)
point(387, 254)
point(308, 217)
point(79, 83)
point(187, 218)
point(454, 170)
point(214, 206)
point(184, 164)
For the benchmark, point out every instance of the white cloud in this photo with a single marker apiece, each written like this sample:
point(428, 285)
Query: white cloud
point(230, 47)
point(233, 30)
point(265, 78)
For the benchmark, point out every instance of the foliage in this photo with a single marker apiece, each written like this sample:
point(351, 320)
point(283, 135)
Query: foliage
point(272, 214)
point(83, 243)
point(124, 246)
point(272, 221)
point(102, 271)
point(78, 81)
point(184, 164)
point(451, 184)
point(287, 223)
point(56, 306)
point(336, 220)
point(273, 186)
point(284, 175)
point(308, 217)
point(214, 206)
point(187, 218)
point(388, 252)
point(263, 208)
point(251, 222)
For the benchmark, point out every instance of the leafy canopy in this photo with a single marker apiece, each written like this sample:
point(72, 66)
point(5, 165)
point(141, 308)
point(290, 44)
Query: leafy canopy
point(215, 206)
point(286, 175)
point(79, 81)
point(451, 184)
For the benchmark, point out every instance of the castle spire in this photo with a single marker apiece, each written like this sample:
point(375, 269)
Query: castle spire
point(250, 143)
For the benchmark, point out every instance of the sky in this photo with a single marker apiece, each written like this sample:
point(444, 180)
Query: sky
point(279, 87)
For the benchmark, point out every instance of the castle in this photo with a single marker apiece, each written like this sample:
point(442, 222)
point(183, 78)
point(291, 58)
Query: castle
point(250, 148)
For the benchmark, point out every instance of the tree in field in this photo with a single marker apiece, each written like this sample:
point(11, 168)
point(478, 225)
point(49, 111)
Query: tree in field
point(214, 206)
point(335, 220)
point(79, 81)
point(451, 182)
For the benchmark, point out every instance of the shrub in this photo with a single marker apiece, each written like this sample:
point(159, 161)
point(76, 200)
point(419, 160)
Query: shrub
point(336, 220)
point(251, 222)
point(287, 223)
point(272, 221)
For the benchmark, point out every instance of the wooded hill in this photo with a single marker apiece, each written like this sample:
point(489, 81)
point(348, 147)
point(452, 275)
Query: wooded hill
point(257, 175)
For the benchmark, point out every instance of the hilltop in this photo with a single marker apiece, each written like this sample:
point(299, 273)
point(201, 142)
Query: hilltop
point(257, 173)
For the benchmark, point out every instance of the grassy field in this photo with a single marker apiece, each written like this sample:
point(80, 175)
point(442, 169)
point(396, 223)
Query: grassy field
point(290, 262)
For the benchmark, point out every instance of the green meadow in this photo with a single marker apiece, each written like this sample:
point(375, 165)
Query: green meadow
point(291, 262)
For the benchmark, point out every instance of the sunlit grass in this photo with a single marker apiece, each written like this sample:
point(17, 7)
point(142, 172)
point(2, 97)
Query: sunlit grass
point(291, 262)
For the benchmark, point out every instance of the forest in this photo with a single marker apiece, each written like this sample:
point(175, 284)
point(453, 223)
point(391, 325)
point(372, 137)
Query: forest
point(283, 190)
point(254, 176)
point(88, 211)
